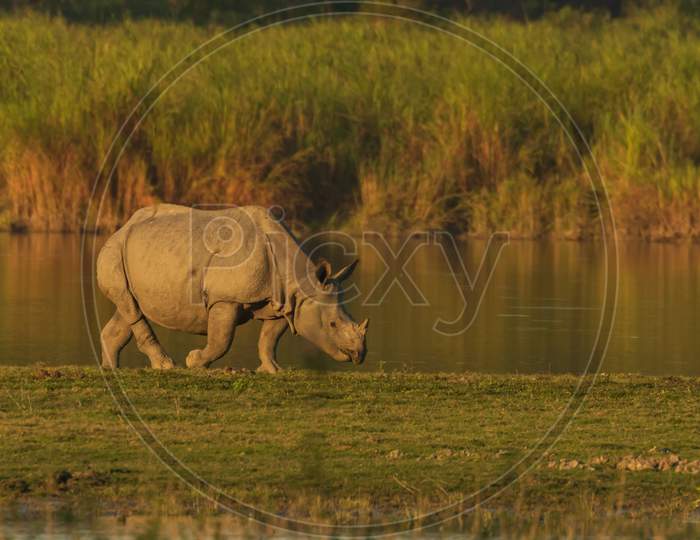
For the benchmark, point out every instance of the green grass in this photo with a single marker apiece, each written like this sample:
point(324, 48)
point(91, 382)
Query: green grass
point(359, 122)
point(351, 448)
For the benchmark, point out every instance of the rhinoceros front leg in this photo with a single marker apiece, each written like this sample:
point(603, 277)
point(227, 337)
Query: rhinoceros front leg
point(270, 334)
point(220, 329)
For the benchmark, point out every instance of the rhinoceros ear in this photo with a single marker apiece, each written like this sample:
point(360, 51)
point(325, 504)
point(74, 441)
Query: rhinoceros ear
point(344, 273)
point(323, 271)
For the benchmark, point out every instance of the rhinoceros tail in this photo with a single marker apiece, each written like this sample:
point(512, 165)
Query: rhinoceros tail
point(112, 281)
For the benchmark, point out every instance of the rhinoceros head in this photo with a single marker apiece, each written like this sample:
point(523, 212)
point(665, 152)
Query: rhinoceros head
point(322, 319)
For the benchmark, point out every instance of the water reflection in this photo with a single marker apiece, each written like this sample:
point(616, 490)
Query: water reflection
point(539, 313)
point(64, 525)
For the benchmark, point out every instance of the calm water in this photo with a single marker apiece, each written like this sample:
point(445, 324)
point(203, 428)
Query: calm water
point(65, 526)
point(539, 313)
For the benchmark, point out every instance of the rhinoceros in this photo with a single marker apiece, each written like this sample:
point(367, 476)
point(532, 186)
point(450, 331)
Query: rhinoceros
point(207, 272)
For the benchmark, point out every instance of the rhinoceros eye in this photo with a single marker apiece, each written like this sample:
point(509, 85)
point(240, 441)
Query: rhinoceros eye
point(333, 324)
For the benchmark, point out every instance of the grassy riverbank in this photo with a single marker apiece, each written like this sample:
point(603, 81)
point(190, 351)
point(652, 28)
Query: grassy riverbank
point(350, 447)
point(359, 122)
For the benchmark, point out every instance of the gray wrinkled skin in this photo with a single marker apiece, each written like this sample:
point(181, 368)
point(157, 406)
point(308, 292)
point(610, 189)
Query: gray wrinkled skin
point(207, 272)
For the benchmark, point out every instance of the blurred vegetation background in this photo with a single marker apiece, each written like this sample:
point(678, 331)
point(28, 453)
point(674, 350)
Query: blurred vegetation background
point(232, 11)
point(356, 121)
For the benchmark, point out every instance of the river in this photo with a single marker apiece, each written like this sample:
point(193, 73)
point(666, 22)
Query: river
point(539, 313)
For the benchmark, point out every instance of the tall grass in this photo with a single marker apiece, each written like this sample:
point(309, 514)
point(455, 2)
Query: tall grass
point(360, 122)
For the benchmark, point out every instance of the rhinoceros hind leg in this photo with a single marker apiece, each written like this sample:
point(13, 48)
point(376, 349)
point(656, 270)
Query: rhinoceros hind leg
point(148, 344)
point(114, 284)
point(114, 336)
point(270, 334)
point(221, 326)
